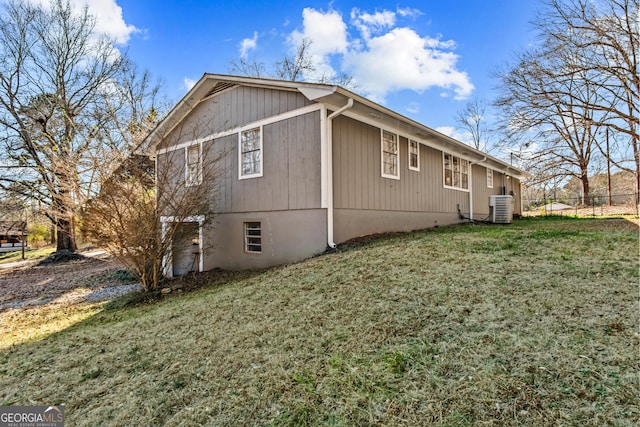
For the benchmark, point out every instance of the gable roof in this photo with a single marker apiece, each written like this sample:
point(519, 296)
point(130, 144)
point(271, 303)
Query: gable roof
point(334, 97)
point(12, 228)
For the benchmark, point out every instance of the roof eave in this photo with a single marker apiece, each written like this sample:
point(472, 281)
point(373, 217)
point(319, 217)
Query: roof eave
point(457, 147)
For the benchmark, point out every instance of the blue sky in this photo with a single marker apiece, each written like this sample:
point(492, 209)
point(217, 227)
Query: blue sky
point(423, 59)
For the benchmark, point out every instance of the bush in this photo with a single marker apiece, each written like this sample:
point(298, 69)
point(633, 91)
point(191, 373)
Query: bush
point(38, 235)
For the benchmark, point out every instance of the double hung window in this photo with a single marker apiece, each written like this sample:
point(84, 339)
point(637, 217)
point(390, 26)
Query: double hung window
point(390, 157)
point(250, 152)
point(456, 172)
point(193, 159)
point(414, 155)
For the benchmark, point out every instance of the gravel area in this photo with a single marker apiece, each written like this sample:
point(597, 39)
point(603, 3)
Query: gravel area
point(90, 279)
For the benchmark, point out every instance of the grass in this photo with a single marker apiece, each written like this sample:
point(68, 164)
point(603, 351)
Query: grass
point(30, 254)
point(534, 324)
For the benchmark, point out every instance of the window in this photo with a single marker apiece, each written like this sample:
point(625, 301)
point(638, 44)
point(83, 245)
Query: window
point(390, 165)
point(252, 237)
point(414, 155)
point(489, 178)
point(194, 165)
point(456, 172)
point(250, 153)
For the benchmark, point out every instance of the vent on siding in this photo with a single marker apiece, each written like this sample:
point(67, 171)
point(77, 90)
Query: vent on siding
point(501, 209)
point(219, 87)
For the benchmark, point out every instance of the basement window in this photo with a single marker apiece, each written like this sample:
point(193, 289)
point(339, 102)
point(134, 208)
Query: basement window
point(250, 153)
point(253, 237)
point(414, 156)
point(390, 158)
point(456, 172)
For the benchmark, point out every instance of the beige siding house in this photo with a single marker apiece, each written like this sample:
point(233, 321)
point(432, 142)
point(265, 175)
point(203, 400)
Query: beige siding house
point(308, 166)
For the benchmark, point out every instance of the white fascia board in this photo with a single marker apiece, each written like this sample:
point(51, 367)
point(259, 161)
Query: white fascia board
point(315, 92)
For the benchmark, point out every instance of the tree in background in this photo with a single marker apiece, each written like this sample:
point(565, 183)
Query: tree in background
point(558, 97)
point(602, 39)
point(296, 67)
point(67, 103)
point(472, 119)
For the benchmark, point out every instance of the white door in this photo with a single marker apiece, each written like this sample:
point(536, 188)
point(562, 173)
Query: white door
point(185, 249)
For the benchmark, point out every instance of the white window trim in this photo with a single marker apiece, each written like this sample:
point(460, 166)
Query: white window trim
point(187, 181)
point(489, 180)
point(444, 179)
point(417, 168)
point(386, 175)
point(254, 175)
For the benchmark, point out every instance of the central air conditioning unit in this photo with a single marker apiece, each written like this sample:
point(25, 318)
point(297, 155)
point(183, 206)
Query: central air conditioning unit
point(501, 209)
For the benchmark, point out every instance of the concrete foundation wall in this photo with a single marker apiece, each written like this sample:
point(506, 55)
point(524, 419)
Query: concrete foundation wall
point(287, 236)
point(351, 223)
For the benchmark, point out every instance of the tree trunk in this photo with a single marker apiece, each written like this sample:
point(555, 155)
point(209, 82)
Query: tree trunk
point(585, 189)
point(66, 235)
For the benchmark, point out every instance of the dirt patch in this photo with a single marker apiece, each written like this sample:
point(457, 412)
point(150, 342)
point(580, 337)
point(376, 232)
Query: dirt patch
point(60, 282)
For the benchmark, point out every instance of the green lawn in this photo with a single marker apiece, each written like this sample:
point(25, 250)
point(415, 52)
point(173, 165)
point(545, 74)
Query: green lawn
point(31, 254)
point(532, 324)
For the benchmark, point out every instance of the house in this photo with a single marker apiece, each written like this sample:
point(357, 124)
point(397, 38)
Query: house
point(308, 166)
point(12, 234)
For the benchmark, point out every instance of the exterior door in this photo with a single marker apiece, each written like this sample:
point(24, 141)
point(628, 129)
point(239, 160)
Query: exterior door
point(185, 249)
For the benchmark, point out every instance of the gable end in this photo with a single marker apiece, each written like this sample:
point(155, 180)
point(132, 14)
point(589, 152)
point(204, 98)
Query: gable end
point(219, 87)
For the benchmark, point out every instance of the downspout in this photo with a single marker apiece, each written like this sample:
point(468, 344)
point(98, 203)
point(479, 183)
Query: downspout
point(330, 118)
point(471, 186)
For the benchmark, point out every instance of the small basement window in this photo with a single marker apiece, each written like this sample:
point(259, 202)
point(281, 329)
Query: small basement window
point(253, 237)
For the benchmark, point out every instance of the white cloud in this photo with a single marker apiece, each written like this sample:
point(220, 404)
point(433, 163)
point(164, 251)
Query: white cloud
point(382, 57)
point(401, 59)
point(109, 19)
point(409, 12)
point(369, 24)
point(328, 35)
point(455, 133)
point(327, 31)
point(248, 44)
point(189, 83)
point(108, 15)
point(413, 108)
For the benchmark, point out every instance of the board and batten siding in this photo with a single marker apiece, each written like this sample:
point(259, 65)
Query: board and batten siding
point(501, 184)
point(291, 169)
point(358, 182)
point(367, 203)
point(286, 199)
point(233, 108)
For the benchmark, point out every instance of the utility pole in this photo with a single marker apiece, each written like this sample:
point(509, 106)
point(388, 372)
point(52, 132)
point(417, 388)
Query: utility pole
point(608, 166)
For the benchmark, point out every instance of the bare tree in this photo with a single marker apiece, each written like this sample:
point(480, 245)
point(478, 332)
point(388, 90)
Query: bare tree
point(542, 105)
point(604, 40)
point(248, 68)
point(472, 119)
point(296, 67)
point(60, 90)
point(129, 216)
point(558, 97)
